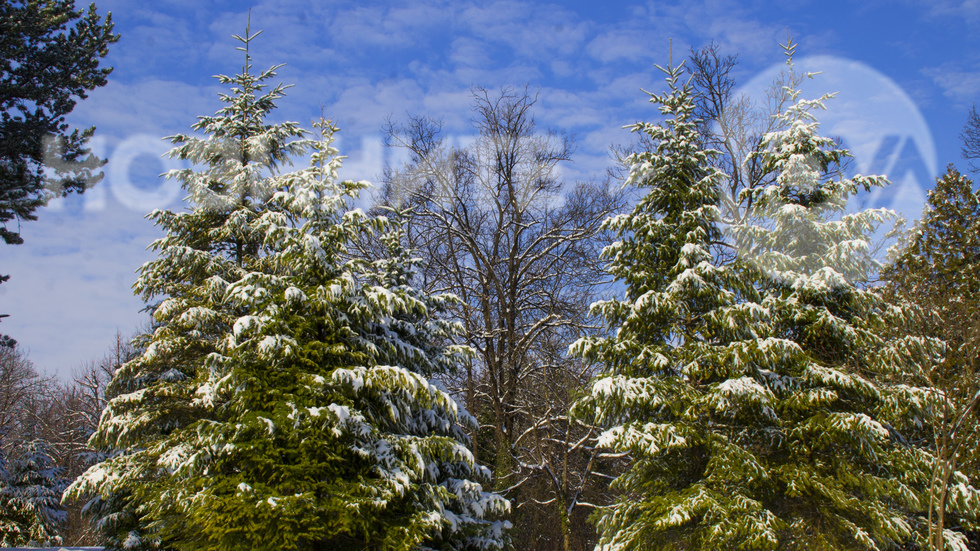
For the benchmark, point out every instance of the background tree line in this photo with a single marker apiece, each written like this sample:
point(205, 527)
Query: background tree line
point(48, 421)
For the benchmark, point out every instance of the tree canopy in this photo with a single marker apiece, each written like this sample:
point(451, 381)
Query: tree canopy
point(49, 60)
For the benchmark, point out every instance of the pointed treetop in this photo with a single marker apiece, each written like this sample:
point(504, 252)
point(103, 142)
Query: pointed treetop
point(789, 48)
point(247, 39)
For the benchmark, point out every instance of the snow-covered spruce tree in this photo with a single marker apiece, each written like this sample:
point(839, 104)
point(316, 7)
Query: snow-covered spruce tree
point(116, 524)
point(113, 517)
point(112, 514)
point(410, 336)
point(744, 390)
point(283, 401)
point(30, 499)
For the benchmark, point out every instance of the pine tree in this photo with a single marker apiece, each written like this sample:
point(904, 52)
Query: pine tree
point(936, 276)
point(30, 499)
point(744, 390)
point(49, 59)
point(283, 400)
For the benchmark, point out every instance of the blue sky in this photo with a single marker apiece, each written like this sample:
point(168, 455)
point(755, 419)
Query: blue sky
point(361, 62)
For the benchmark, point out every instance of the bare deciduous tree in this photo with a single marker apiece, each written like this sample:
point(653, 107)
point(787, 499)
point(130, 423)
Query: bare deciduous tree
point(22, 392)
point(497, 226)
point(971, 139)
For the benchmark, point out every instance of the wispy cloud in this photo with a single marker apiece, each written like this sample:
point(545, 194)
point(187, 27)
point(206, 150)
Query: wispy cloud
point(959, 85)
point(70, 285)
point(626, 44)
point(963, 9)
point(148, 105)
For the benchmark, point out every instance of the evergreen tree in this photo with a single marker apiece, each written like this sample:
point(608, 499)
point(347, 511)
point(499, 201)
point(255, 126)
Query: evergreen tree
point(113, 515)
point(117, 524)
point(49, 58)
point(744, 390)
point(30, 499)
point(937, 265)
point(112, 519)
point(936, 276)
point(283, 400)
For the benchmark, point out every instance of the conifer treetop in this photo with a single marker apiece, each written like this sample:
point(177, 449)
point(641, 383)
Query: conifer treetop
point(798, 229)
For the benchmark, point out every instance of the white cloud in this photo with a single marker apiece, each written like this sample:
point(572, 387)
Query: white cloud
point(747, 37)
point(960, 86)
point(70, 285)
point(152, 106)
point(653, 27)
point(615, 44)
point(958, 9)
point(537, 32)
point(470, 52)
